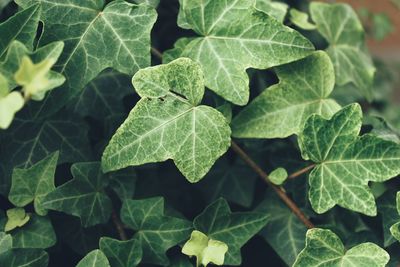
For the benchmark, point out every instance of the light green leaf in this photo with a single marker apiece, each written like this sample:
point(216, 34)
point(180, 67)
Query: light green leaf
point(83, 196)
point(96, 258)
point(37, 233)
point(97, 36)
point(28, 141)
point(121, 253)
point(205, 250)
point(234, 229)
point(23, 25)
point(284, 231)
point(300, 19)
point(153, 3)
point(345, 161)
point(340, 26)
point(324, 248)
point(24, 258)
point(9, 105)
point(156, 232)
point(36, 79)
point(282, 109)
point(278, 176)
point(395, 229)
point(169, 123)
point(390, 216)
point(235, 36)
point(176, 52)
point(277, 10)
point(34, 183)
point(16, 217)
point(5, 242)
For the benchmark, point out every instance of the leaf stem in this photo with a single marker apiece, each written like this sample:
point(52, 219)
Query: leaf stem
point(156, 53)
point(300, 172)
point(118, 226)
point(281, 193)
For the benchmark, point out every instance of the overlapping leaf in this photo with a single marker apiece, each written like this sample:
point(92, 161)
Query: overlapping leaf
point(97, 36)
point(395, 229)
point(34, 183)
point(24, 257)
point(84, 196)
point(169, 123)
point(94, 258)
point(156, 232)
point(345, 161)
point(5, 242)
point(388, 210)
point(340, 26)
point(324, 248)
point(234, 36)
point(282, 109)
point(121, 253)
point(235, 229)
point(10, 103)
point(273, 8)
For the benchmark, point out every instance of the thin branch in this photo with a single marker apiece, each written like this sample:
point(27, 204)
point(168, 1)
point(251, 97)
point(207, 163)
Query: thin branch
point(118, 226)
point(156, 53)
point(281, 193)
point(300, 172)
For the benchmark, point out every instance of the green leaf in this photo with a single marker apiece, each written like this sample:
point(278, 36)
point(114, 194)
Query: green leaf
point(205, 250)
point(96, 258)
point(282, 109)
point(121, 253)
point(24, 258)
point(9, 105)
point(388, 210)
point(115, 35)
point(34, 183)
point(235, 36)
point(83, 196)
point(156, 232)
point(153, 3)
point(324, 248)
point(278, 176)
point(345, 161)
point(5, 242)
point(300, 19)
point(23, 25)
point(123, 183)
point(235, 229)
point(37, 233)
point(284, 231)
point(169, 123)
point(277, 10)
point(340, 26)
point(395, 229)
point(36, 79)
point(28, 141)
point(16, 217)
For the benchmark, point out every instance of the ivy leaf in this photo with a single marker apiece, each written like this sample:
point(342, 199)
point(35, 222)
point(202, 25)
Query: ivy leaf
point(345, 161)
point(121, 253)
point(34, 78)
point(395, 229)
point(277, 10)
point(340, 26)
point(94, 258)
point(388, 210)
point(37, 233)
point(205, 249)
point(24, 258)
point(115, 35)
point(24, 25)
point(278, 176)
point(123, 183)
point(83, 196)
point(156, 232)
point(284, 231)
point(282, 109)
point(300, 19)
point(10, 103)
point(235, 36)
point(34, 183)
point(5, 242)
point(235, 229)
point(16, 217)
point(28, 141)
point(168, 123)
point(323, 247)
point(153, 3)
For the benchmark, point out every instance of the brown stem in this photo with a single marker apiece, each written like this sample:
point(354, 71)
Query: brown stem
point(281, 193)
point(156, 53)
point(119, 226)
point(300, 172)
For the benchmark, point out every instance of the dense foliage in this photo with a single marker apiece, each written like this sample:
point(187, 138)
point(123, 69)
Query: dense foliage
point(115, 154)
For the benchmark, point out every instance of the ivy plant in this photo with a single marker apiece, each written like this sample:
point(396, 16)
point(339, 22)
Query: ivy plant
point(188, 133)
